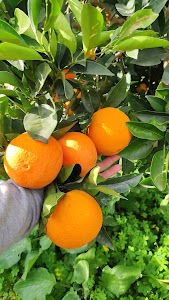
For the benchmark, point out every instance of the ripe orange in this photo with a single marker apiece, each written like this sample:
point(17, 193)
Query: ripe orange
point(91, 54)
point(142, 87)
point(108, 131)
point(75, 221)
point(78, 148)
point(66, 104)
point(56, 98)
point(68, 75)
point(33, 164)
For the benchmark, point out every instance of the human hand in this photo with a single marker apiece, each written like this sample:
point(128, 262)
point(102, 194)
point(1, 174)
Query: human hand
point(106, 168)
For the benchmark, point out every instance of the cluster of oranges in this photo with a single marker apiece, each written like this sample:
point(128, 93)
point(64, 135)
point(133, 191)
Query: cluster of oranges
point(77, 218)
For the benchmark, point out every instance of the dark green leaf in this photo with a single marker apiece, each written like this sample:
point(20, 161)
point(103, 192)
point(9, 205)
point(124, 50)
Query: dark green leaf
point(158, 170)
point(146, 116)
point(165, 77)
point(140, 19)
point(87, 101)
point(137, 149)
point(145, 131)
point(104, 239)
point(119, 279)
point(9, 51)
point(92, 68)
point(91, 25)
point(6, 77)
point(42, 72)
point(65, 34)
point(157, 103)
point(68, 88)
point(117, 93)
point(122, 184)
point(53, 9)
point(4, 101)
point(34, 12)
point(157, 5)
point(62, 130)
point(150, 57)
point(37, 285)
point(76, 8)
point(8, 34)
point(40, 122)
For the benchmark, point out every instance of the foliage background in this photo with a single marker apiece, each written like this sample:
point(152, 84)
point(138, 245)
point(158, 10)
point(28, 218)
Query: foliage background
point(129, 259)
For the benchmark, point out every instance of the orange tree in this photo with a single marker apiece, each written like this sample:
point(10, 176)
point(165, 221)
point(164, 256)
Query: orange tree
point(94, 54)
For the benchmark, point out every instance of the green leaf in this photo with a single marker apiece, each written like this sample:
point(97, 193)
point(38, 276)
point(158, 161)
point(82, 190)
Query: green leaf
point(157, 5)
point(7, 77)
point(145, 131)
point(76, 8)
point(4, 102)
point(92, 68)
point(65, 172)
point(150, 57)
point(87, 101)
point(158, 170)
point(40, 122)
point(146, 116)
point(62, 130)
point(71, 295)
point(11, 256)
point(30, 260)
point(68, 88)
point(22, 21)
point(8, 34)
point(9, 51)
point(81, 272)
point(53, 9)
point(123, 183)
point(41, 73)
point(165, 77)
point(34, 12)
point(157, 103)
point(104, 239)
point(126, 10)
point(107, 190)
point(117, 93)
point(140, 42)
point(50, 203)
point(91, 25)
point(119, 279)
point(140, 19)
point(137, 149)
point(37, 285)
point(45, 242)
point(65, 34)
point(53, 43)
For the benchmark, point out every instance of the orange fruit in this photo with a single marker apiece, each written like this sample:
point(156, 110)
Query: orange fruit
point(66, 104)
point(142, 87)
point(56, 99)
point(68, 75)
point(91, 54)
point(79, 95)
point(108, 131)
point(75, 221)
point(33, 164)
point(78, 148)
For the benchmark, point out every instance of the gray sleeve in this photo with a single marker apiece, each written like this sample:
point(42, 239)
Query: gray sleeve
point(20, 210)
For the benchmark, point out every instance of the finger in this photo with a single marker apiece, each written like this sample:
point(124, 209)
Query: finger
point(107, 162)
point(110, 172)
